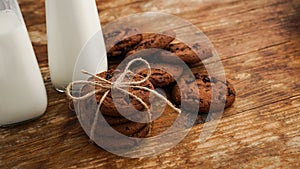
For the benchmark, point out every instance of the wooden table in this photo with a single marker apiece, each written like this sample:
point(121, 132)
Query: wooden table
point(259, 44)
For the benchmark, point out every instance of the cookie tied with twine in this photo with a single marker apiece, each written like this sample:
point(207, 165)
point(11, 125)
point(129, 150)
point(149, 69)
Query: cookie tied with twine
point(105, 87)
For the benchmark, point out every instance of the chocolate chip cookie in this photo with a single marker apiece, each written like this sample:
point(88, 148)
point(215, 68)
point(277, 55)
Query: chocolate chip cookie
point(153, 40)
point(127, 129)
point(139, 117)
point(125, 103)
point(189, 55)
point(118, 43)
point(224, 96)
point(119, 143)
point(162, 74)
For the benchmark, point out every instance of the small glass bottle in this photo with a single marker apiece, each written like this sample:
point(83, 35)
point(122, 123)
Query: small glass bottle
point(70, 24)
point(22, 91)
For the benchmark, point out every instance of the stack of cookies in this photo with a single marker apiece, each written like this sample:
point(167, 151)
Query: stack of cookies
point(169, 60)
point(116, 110)
point(168, 70)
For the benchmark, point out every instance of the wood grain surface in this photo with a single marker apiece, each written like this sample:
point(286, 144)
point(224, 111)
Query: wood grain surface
point(259, 44)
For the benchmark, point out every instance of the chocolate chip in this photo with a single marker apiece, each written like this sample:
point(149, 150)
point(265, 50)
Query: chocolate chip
point(109, 76)
point(170, 45)
point(149, 86)
point(206, 79)
point(230, 92)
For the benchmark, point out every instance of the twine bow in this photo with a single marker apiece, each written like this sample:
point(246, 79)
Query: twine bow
point(106, 87)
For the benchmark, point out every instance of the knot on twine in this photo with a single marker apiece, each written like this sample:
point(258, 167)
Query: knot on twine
point(105, 86)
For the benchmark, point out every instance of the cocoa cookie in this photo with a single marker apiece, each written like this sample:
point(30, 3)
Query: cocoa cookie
point(127, 129)
point(225, 94)
point(122, 120)
point(162, 74)
point(119, 143)
point(189, 55)
point(130, 129)
point(153, 40)
point(121, 41)
point(143, 133)
point(128, 105)
point(115, 142)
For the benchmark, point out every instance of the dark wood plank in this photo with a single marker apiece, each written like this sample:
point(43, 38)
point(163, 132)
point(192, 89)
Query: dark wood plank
point(258, 43)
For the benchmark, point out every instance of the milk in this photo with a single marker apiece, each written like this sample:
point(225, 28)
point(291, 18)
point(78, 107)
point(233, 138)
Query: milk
point(70, 24)
point(22, 91)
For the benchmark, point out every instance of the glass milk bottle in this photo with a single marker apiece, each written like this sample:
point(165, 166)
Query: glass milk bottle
point(22, 91)
point(70, 24)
